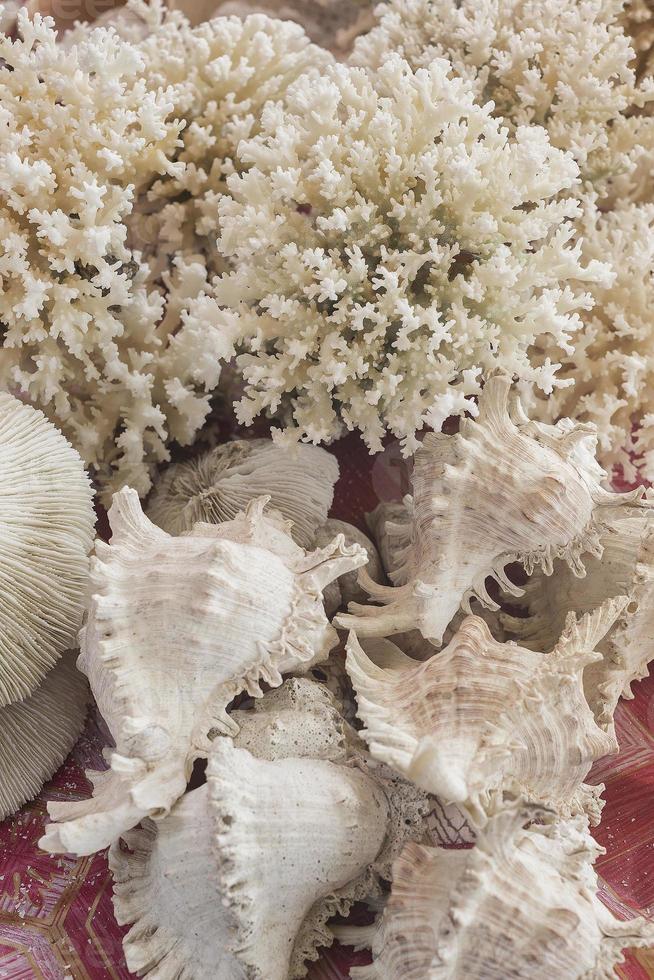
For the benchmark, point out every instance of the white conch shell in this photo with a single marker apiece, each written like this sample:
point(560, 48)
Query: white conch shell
point(522, 904)
point(390, 524)
point(626, 567)
point(239, 880)
point(37, 734)
point(346, 588)
point(483, 716)
point(218, 485)
point(503, 489)
point(47, 527)
point(177, 627)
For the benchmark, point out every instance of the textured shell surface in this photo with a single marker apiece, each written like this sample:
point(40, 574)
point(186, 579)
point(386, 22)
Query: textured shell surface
point(626, 567)
point(177, 627)
point(47, 526)
point(502, 489)
point(347, 589)
point(298, 719)
point(218, 485)
point(37, 734)
point(483, 718)
point(240, 878)
point(522, 903)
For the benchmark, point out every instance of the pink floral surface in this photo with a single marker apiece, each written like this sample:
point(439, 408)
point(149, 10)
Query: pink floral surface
point(56, 917)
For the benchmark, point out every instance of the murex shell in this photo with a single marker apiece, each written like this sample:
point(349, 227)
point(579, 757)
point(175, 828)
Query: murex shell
point(177, 626)
point(218, 485)
point(626, 567)
point(239, 880)
point(346, 589)
point(482, 717)
point(47, 526)
point(522, 903)
point(502, 489)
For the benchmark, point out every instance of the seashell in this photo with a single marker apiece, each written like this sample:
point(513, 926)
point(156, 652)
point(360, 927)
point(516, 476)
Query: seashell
point(391, 526)
point(37, 734)
point(240, 879)
point(502, 489)
point(178, 626)
point(522, 903)
point(483, 717)
point(626, 567)
point(346, 588)
point(218, 485)
point(47, 525)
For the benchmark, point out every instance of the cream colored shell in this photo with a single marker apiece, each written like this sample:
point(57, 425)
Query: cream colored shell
point(218, 485)
point(37, 734)
point(46, 527)
point(239, 880)
point(522, 903)
point(503, 489)
point(483, 717)
point(626, 567)
point(177, 627)
point(347, 589)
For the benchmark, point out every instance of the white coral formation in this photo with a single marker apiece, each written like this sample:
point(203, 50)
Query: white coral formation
point(522, 903)
point(89, 315)
point(46, 528)
point(37, 734)
point(219, 484)
point(570, 71)
point(611, 369)
point(391, 243)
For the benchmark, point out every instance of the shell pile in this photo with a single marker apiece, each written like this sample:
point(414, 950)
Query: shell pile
point(268, 773)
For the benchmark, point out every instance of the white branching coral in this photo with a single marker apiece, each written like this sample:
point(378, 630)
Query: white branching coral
point(80, 133)
point(570, 71)
point(119, 349)
point(391, 243)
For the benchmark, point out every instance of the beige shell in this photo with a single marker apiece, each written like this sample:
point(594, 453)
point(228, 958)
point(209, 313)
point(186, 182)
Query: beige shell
point(177, 627)
point(218, 485)
point(239, 880)
point(482, 717)
point(626, 567)
point(522, 903)
point(46, 527)
point(346, 588)
point(37, 734)
point(503, 489)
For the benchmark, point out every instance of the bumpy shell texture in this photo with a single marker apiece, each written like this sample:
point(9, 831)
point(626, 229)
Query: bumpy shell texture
point(502, 489)
point(522, 903)
point(482, 717)
point(239, 880)
point(46, 526)
point(177, 627)
point(626, 567)
point(215, 487)
point(37, 734)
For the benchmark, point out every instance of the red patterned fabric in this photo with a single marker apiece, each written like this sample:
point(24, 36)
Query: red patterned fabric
point(56, 918)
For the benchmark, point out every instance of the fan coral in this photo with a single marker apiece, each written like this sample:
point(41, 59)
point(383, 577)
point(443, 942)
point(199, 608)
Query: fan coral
point(88, 316)
point(570, 71)
point(391, 242)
